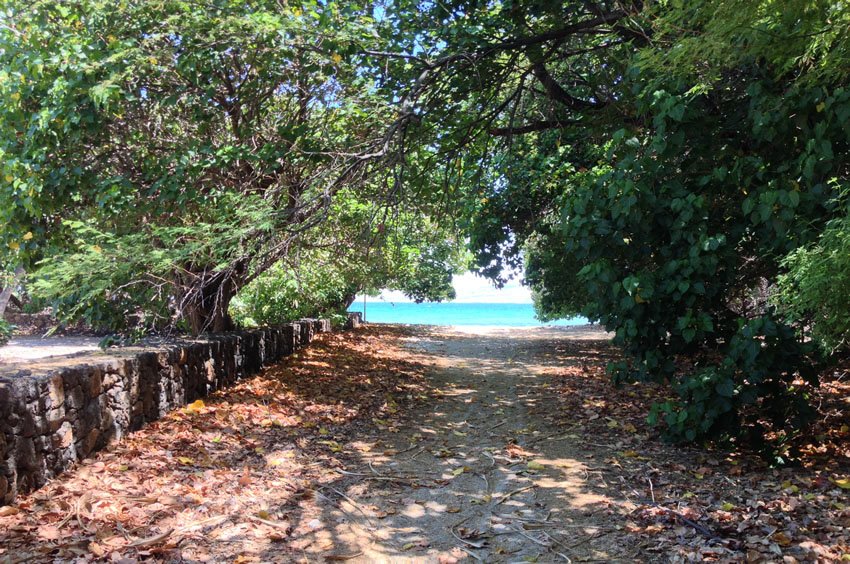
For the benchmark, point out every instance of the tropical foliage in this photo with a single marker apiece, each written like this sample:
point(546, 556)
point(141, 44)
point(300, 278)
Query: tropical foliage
point(675, 171)
point(191, 148)
point(653, 165)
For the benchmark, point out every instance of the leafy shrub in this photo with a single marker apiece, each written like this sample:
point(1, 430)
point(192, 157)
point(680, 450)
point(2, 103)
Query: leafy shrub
point(6, 330)
point(283, 294)
point(813, 289)
point(758, 392)
point(673, 241)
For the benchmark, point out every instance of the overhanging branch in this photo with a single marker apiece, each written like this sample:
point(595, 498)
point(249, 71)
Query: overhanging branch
point(532, 127)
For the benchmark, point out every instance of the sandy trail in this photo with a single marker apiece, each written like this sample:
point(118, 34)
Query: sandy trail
point(387, 444)
point(481, 472)
point(418, 444)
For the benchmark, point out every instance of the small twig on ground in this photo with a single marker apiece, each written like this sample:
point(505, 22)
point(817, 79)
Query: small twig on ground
point(353, 503)
point(706, 532)
point(532, 539)
point(342, 557)
point(490, 456)
point(517, 518)
point(276, 525)
point(553, 437)
point(151, 540)
point(379, 477)
point(486, 482)
point(589, 538)
point(408, 449)
point(479, 544)
point(217, 520)
point(507, 496)
point(472, 554)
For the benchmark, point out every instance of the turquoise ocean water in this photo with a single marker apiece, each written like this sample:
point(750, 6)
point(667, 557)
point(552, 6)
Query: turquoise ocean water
point(513, 315)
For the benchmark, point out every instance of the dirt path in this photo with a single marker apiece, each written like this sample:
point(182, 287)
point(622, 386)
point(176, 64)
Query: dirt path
point(392, 444)
point(481, 472)
point(25, 349)
point(386, 444)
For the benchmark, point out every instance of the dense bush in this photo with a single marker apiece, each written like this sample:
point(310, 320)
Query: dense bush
point(6, 330)
point(813, 289)
point(668, 213)
point(284, 294)
point(759, 391)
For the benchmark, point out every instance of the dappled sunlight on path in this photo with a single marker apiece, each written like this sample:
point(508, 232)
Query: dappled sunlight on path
point(501, 484)
point(481, 472)
point(389, 444)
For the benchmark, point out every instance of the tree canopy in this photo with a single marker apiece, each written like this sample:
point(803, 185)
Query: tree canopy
point(161, 156)
point(676, 171)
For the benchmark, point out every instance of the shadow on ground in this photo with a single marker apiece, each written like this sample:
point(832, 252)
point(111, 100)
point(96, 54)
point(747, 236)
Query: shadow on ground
point(387, 444)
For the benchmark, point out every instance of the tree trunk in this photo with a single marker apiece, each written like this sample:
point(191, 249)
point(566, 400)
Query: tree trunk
point(207, 312)
point(349, 299)
point(7, 292)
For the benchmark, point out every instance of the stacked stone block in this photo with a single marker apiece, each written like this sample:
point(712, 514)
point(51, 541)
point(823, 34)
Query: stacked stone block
point(51, 419)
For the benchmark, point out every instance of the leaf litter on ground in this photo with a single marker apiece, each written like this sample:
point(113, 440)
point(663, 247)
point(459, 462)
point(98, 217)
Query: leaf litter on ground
point(703, 504)
point(228, 477)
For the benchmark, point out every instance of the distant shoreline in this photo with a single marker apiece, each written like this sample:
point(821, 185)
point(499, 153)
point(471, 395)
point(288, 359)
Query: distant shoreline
point(584, 331)
point(447, 314)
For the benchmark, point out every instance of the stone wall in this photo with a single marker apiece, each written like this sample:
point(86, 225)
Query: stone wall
point(51, 418)
point(355, 320)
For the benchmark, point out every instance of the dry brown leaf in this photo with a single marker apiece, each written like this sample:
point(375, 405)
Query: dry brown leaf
point(49, 532)
point(245, 478)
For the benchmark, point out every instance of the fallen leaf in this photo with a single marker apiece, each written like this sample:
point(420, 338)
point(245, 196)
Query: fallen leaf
point(245, 479)
point(49, 532)
point(781, 539)
point(96, 549)
point(843, 483)
point(195, 407)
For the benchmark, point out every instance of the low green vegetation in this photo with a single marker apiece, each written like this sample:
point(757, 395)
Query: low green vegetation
point(810, 289)
point(6, 330)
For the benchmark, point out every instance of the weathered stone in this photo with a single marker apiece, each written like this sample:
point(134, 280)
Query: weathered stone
point(355, 319)
point(306, 327)
point(74, 398)
point(26, 424)
point(55, 418)
point(90, 442)
point(64, 436)
point(25, 454)
point(56, 391)
point(49, 421)
point(95, 383)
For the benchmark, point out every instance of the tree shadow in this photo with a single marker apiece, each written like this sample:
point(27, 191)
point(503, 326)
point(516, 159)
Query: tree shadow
point(456, 481)
point(383, 444)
